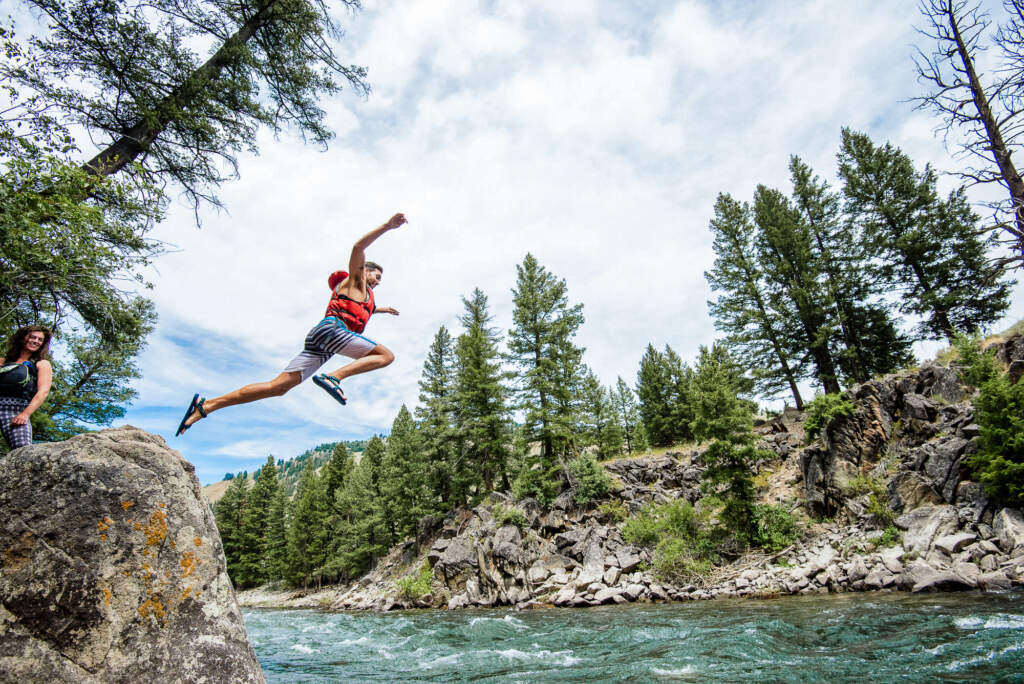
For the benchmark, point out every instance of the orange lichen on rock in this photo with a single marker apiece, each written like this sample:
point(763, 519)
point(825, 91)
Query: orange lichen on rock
point(185, 592)
point(156, 530)
point(198, 541)
point(105, 524)
point(106, 596)
point(103, 537)
point(152, 607)
point(188, 563)
point(127, 504)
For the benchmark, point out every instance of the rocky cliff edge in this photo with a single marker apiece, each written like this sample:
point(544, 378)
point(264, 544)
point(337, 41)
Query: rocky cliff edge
point(111, 567)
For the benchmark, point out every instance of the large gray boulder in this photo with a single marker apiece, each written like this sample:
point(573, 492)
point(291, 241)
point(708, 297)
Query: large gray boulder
point(111, 567)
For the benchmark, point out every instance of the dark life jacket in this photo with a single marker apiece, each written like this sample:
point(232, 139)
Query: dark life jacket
point(353, 314)
point(18, 380)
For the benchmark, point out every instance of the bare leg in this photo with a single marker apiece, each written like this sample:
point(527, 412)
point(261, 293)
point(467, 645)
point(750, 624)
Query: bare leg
point(378, 357)
point(254, 392)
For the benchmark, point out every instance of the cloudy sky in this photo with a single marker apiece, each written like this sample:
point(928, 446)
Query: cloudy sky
point(595, 135)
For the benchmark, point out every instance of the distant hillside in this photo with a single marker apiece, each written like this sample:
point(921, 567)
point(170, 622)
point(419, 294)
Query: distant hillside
point(289, 471)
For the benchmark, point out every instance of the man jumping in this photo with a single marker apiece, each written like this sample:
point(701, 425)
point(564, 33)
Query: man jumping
point(340, 332)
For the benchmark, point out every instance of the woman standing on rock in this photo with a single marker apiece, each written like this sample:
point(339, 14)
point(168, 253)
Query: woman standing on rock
point(25, 376)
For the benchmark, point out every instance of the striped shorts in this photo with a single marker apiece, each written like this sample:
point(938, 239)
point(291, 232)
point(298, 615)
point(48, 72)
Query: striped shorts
point(16, 435)
point(327, 338)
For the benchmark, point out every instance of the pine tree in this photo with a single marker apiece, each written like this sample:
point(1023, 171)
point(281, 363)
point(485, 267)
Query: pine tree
point(720, 416)
point(627, 411)
point(277, 536)
point(786, 254)
point(229, 512)
point(436, 416)
point(681, 411)
point(337, 469)
point(253, 568)
point(928, 249)
point(403, 483)
point(549, 370)
point(663, 387)
point(307, 533)
point(764, 336)
point(599, 426)
point(362, 534)
point(653, 387)
point(480, 410)
point(867, 341)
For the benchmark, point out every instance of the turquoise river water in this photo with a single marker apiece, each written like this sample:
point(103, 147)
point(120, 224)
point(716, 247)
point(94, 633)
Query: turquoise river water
point(849, 637)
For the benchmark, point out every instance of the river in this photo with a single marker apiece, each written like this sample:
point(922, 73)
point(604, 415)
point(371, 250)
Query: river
point(849, 637)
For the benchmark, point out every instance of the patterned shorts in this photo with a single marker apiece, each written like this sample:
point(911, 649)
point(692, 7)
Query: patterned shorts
point(16, 435)
point(327, 338)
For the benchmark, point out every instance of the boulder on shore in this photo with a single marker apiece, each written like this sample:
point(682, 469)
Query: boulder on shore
point(111, 567)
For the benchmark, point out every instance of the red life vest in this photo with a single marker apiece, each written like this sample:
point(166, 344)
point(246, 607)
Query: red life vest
point(352, 313)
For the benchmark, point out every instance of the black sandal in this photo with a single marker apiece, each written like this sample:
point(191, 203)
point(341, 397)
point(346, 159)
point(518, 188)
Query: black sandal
point(332, 386)
point(195, 405)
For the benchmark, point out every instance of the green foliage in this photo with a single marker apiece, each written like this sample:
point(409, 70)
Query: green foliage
point(447, 477)
point(177, 89)
point(864, 484)
point(676, 559)
point(878, 507)
point(823, 410)
point(547, 364)
point(792, 269)
point(253, 567)
point(720, 416)
point(308, 533)
point(598, 425)
point(627, 412)
point(405, 497)
point(543, 484)
point(229, 514)
point(664, 389)
point(481, 413)
point(926, 247)
point(891, 537)
point(684, 548)
point(999, 461)
point(508, 515)
point(412, 587)
point(776, 528)
point(591, 481)
point(759, 328)
point(359, 531)
point(614, 509)
point(976, 367)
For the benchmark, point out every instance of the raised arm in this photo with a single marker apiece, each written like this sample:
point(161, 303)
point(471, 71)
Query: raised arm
point(358, 258)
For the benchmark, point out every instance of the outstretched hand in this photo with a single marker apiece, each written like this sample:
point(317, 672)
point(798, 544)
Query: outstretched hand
point(395, 221)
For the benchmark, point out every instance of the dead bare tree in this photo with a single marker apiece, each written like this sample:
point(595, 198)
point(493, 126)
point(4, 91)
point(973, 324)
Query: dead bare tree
point(981, 116)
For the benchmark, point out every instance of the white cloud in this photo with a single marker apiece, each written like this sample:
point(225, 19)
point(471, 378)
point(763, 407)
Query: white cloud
point(591, 134)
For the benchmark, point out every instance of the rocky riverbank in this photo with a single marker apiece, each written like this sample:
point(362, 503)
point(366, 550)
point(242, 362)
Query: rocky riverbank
point(897, 462)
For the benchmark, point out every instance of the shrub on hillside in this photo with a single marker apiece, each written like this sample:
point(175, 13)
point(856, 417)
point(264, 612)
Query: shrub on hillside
point(823, 410)
point(592, 482)
point(540, 483)
point(684, 548)
point(414, 586)
point(776, 528)
point(999, 461)
point(508, 516)
point(976, 367)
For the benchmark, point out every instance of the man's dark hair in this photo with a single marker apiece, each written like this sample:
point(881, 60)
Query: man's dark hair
point(374, 266)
